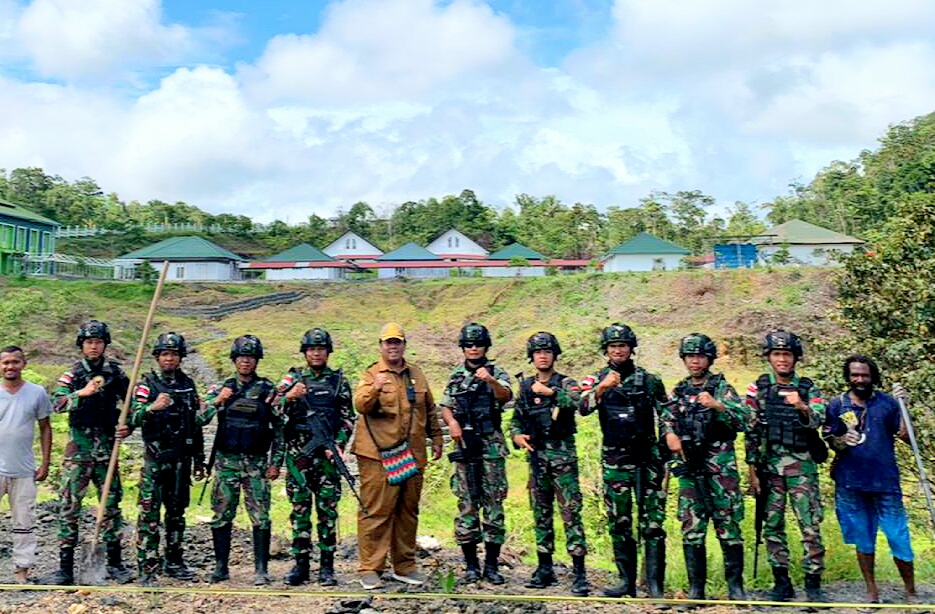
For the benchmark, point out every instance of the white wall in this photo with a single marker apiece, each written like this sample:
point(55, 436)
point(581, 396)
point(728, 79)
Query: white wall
point(454, 242)
point(513, 271)
point(326, 273)
point(350, 245)
point(183, 271)
point(817, 255)
point(638, 262)
point(428, 273)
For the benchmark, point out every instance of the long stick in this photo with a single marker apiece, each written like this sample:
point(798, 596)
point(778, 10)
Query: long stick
point(115, 453)
point(923, 478)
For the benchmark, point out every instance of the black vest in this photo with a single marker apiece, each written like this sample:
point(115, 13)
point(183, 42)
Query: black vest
point(539, 408)
point(245, 423)
point(698, 425)
point(783, 421)
point(101, 410)
point(475, 406)
point(627, 415)
point(172, 428)
point(321, 398)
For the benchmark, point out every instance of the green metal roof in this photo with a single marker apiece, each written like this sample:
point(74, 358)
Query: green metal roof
point(181, 248)
point(409, 251)
point(516, 250)
point(799, 232)
point(646, 244)
point(301, 253)
point(14, 210)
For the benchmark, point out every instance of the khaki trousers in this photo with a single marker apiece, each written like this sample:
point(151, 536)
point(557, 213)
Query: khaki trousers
point(22, 496)
point(392, 520)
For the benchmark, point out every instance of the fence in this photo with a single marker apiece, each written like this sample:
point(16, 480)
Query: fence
point(69, 232)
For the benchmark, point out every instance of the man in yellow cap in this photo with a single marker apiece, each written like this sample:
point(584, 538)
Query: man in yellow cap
point(398, 416)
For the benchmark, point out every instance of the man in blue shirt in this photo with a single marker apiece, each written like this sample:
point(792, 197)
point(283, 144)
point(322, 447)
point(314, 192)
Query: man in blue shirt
point(862, 425)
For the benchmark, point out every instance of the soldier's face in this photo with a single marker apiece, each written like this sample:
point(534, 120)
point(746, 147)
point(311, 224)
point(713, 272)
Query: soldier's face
point(316, 357)
point(543, 359)
point(782, 361)
point(618, 352)
point(168, 360)
point(93, 348)
point(697, 364)
point(472, 351)
point(12, 365)
point(245, 365)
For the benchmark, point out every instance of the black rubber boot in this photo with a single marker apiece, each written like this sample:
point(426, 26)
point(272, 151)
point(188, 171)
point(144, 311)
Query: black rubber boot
point(299, 573)
point(492, 564)
point(221, 537)
point(326, 575)
point(471, 563)
point(579, 587)
point(782, 587)
point(544, 576)
point(116, 570)
point(655, 567)
point(175, 566)
point(813, 590)
point(625, 559)
point(65, 575)
point(733, 571)
point(696, 566)
point(261, 539)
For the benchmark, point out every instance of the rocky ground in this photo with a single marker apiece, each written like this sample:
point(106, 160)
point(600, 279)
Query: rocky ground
point(442, 567)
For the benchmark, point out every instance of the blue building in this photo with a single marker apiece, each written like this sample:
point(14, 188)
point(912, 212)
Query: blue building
point(24, 235)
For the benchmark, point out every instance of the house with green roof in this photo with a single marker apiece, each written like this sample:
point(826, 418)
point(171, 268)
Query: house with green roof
point(190, 259)
point(303, 261)
point(799, 243)
point(644, 252)
point(514, 260)
point(409, 260)
point(25, 236)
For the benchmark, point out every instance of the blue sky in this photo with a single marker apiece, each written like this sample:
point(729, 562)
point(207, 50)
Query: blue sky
point(280, 109)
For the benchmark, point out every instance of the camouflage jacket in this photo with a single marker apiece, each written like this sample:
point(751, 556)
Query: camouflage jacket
point(729, 422)
point(145, 395)
point(459, 383)
point(567, 398)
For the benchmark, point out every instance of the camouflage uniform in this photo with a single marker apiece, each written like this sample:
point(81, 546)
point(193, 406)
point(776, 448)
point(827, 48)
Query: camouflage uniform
point(787, 471)
point(459, 395)
point(315, 477)
point(553, 468)
point(173, 441)
point(620, 468)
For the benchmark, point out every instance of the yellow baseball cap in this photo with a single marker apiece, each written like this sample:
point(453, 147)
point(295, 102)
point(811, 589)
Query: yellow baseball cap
point(392, 330)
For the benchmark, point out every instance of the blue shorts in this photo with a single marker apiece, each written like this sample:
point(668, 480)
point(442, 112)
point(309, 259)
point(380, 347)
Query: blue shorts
point(860, 514)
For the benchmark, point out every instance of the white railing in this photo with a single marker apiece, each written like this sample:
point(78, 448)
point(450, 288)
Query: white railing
point(68, 232)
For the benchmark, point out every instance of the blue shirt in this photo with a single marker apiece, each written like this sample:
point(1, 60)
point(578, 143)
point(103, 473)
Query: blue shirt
point(871, 465)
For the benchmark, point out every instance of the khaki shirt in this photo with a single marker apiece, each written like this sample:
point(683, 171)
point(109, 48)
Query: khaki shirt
point(388, 411)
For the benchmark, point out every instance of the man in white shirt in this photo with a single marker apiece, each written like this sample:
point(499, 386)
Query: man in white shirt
point(22, 405)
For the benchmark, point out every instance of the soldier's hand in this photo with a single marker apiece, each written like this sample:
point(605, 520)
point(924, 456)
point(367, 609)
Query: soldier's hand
point(122, 432)
point(541, 389)
point(483, 375)
point(272, 473)
point(299, 390)
point(329, 454)
point(162, 401)
point(795, 399)
point(379, 380)
point(707, 400)
point(611, 380)
point(523, 442)
point(675, 444)
point(754, 481)
point(92, 387)
point(198, 472)
point(454, 429)
point(223, 395)
point(436, 451)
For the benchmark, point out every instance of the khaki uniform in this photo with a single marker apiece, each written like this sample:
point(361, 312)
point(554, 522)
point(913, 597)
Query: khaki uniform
point(392, 520)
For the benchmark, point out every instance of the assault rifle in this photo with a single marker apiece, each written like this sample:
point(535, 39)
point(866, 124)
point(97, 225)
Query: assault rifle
point(759, 516)
point(694, 438)
point(214, 448)
point(470, 450)
point(536, 430)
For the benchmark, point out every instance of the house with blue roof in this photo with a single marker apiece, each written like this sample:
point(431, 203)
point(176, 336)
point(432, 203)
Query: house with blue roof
point(409, 260)
point(303, 261)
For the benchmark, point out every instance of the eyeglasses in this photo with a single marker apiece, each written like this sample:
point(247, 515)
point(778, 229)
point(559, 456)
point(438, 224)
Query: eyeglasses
point(472, 344)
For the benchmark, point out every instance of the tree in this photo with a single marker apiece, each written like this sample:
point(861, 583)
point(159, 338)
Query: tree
point(743, 222)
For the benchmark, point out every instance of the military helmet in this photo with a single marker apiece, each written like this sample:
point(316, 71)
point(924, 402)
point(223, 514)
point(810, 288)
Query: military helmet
point(475, 333)
point(780, 339)
point(93, 329)
point(618, 333)
point(316, 337)
point(247, 345)
point(698, 343)
point(542, 341)
point(170, 341)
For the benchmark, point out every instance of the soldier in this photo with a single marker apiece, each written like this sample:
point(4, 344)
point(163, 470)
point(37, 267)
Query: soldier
point(783, 442)
point(472, 406)
point(306, 396)
point(700, 425)
point(90, 391)
point(627, 400)
point(247, 428)
point(166, 406)
point(543, 424)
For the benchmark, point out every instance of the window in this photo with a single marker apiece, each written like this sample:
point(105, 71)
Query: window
point(659, 264)
point(47, 245)
point(7, 236)
point(180, 272)
point(33, 241)
point(20, 244)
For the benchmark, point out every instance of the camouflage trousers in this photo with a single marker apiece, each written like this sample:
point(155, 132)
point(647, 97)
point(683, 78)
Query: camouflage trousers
point(724, 505)
point(236, 472)
point(76, 477)
point(162, 484)
point(556, 475)
point(805, 499)
point(321, 482)
point(469, 528)
point(619, 484)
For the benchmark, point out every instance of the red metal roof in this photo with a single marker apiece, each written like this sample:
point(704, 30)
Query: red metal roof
point(466, 264)
point(297, 265)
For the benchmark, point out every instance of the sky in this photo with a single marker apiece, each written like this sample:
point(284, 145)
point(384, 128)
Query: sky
point(286, 108)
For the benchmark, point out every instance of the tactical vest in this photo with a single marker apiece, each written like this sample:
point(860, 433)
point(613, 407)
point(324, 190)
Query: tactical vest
point(626, 415)
point(100, 410)
point(245, 423)
point(321, 398)
point(698, 425)
point(539, 408)
point(476, 406)
point(783, 421)
point(172, 428)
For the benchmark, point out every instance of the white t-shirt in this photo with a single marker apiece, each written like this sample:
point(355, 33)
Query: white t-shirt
point(18, 416)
